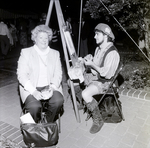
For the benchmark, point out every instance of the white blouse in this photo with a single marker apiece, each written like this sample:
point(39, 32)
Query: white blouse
point(42, 81)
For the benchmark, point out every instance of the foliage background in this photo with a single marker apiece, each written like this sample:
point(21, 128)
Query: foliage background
point(129, 14)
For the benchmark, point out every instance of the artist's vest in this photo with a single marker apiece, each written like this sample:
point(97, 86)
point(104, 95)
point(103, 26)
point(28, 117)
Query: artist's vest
point(112, 48)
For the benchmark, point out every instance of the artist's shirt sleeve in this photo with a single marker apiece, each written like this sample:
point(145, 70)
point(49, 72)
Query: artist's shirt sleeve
point(110, 64)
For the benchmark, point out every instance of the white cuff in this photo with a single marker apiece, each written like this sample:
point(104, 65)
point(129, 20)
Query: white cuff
point(53, 86)
point(29, 87)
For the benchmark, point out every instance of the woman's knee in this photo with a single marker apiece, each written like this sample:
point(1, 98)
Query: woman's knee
point(59, 102)
point(57, 99)
point(32, 104)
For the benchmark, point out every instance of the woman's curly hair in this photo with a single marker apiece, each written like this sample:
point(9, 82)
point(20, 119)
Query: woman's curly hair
point(41, 28)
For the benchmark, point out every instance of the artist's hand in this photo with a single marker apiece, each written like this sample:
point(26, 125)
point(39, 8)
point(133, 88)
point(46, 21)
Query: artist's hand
point(88, 57)
point(88, 62)
point(37, 94)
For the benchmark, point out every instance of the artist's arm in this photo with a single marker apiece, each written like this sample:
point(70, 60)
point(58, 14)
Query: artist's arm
point(110, 65)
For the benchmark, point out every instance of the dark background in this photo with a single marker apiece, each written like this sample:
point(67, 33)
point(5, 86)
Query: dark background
point(70, 7)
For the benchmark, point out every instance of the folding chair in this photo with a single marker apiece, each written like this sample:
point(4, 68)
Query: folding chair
point(113, 89)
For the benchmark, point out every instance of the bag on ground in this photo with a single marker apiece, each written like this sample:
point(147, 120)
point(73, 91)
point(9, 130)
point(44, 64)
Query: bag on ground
point(109, 110)
point(40, 134)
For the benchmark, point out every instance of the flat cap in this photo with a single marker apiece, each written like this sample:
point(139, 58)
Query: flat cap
point(105, 29)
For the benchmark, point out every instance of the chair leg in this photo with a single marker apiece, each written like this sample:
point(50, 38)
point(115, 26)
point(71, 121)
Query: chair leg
point(59, 123)
point(120, 110)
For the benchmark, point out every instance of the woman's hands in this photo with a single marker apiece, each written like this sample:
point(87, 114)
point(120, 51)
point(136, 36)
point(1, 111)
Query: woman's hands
point(44, 95)
point(38, 95)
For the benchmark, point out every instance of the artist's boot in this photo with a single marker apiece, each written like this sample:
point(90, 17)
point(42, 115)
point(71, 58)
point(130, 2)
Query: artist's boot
point(97, 121)
point(96, 116)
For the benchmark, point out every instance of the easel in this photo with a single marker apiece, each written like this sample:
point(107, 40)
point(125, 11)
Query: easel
point(67, 44)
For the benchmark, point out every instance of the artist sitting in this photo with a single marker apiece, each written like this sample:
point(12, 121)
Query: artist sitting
point(103, 67)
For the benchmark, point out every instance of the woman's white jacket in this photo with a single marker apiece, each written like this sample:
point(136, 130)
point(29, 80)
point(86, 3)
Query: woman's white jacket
point(28, 70)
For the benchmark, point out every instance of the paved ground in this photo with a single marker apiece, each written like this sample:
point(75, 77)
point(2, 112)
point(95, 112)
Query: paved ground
point(134, 132)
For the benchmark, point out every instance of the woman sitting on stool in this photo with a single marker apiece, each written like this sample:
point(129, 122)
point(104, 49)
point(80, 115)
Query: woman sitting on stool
point(39, 73)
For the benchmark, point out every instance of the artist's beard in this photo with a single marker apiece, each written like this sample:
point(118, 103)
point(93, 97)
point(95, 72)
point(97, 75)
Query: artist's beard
point(100, 43)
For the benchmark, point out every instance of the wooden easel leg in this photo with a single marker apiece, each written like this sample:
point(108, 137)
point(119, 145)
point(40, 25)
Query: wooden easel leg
point(61, 23)
point(49, 12)
point(75, 102)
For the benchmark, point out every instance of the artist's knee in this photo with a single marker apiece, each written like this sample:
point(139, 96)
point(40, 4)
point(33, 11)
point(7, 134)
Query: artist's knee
point(85, 94)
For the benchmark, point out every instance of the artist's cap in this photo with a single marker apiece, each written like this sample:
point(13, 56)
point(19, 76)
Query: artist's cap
point(105, 29)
